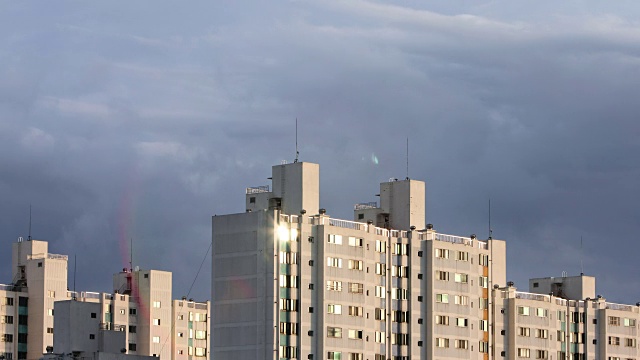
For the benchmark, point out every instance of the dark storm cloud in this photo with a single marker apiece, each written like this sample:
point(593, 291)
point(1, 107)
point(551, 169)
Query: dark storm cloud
point(141, 124)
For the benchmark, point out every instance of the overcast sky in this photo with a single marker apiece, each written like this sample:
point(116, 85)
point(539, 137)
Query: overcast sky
point(139, 120)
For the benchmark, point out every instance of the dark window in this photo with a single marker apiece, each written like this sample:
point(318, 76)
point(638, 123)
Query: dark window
point(22, 355)
point(419, 321)
point(360, 216)
point(132, 347)
point(40, 264)
point(9, 302)
point(502, 353)
point(595, 321)
point(8, 319)
point(146, 276)
point(310, 262)
point(311, 309)
point(420, 298)
point(310, 333)
point(419, 253)
point(92, 336)
point(310, 286)
point(22, 338)
point(132, 311)
point(23, 319)
point(252, 200)
point(310, 238)
point(502, 332)
point(535, 284)
point(419, 343)
point(23, 301)
point(7, 338)
point(420, 276)
point(49, 330)
point(7, 355)
point(310, 357)
point(132, 329)
point(595, 341)
point(93, 315)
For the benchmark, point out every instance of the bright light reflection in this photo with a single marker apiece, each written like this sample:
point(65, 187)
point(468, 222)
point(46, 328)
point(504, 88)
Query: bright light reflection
point(283, 233)
point(294, 234)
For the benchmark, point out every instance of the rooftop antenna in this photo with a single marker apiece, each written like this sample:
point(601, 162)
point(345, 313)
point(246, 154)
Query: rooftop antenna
point(131, 255)
point(581, 257)
point(297, 152)
point(490, 230)
point(75, 265)
point(29, 238)
point(407, 158)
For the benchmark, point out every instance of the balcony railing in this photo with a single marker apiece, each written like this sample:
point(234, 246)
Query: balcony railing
point(258, 189)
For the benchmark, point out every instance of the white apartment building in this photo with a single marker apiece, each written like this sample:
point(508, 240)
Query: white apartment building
point(290, 282)
point(141, 307)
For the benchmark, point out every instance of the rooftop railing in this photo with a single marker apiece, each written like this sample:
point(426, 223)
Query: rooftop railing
point(621, 307)
point(47, 256)
point(532, 296)
point(367, 205)
point(348, 224)
point(454, 239)
point(258, 189)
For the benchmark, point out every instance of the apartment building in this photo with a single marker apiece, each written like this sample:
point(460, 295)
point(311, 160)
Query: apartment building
point(540, 324)
point(290, 282)
point(141, 308)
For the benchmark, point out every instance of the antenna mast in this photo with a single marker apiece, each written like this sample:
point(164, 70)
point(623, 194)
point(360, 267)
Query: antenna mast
point(131, 255)
point(581, 257)
point(75, 265)
point(29, 222)
point(297, 152)
point(490, 230)
point(407, 158)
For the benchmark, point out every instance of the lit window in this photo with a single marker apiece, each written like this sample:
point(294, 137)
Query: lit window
point(524, 353)
point(156, 339)
point(334, 262)
point(442, 342)
point(156, 304)
point(156, 321)
point(335, 239)
point(334, 309)
point(442, 298)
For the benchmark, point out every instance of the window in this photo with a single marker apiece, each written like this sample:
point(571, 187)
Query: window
point(400, 271)
point(400, 316)
point(288, 305)
point(614, 340)
point(132, 311)
point(442, 298)
point(288, 281)
point(356, 356)
point(380, 292)
point(334, 262)
point(542, 354)
point(400, 339)
point(252, 200)
point(8, 301)
point(483, 347)
point(401, 249)
point(94, 315)
point(334, 355)
point(442, 320)
point(524, 353)
point(310, 286)
point(156, 321)
point(132, 347)
point(335, 239)
point(461, 300)
point(462, 256)
point(7, 355)
point(180, 334)
point(334, 332)
point(23, 320)
point(420, 253)
point(355, 334)
point(288, 257)
point(156, 304)
point(442, 342)
point(381, 269)
point(614, 321)
point(540, 312)
point(156, 339)
point(40, 264)
point(524, 331)
point(442, 253)
point(380, 314)
point(629, 322)
point(356, 311)
point(200, 351)
point(630, 342)
point(356, 288)
point(462, 322)
point(288, 328)
point(334, 285)
point(7, 338)
point(461, 344)
point(483, 282)
point(288, 352)
point(334, 309)
point(355, 265)
point(354, 241)
point(146, 276)
point(399, 294)
point(442, 275)
point(523, 310)
point(122, 311)
point(484, 325)
point(483, 260)
point(381, 246)
point(380, 337)
point(542, 333)
point(461, 278)
point(6, 319)
point(49, 330)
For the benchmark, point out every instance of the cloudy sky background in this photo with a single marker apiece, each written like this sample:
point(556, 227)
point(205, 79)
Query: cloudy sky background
point(140, 120)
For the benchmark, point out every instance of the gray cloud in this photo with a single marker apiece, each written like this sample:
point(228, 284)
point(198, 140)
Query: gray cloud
point(142, 123)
